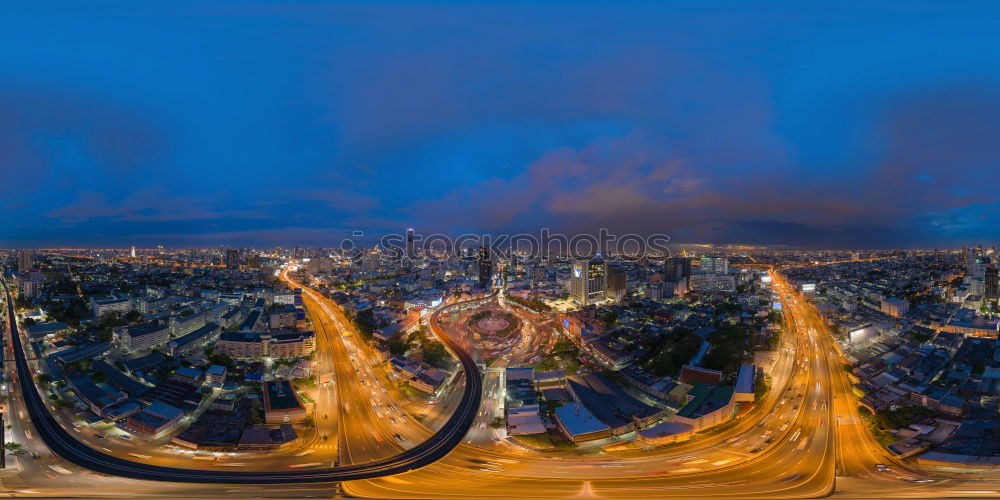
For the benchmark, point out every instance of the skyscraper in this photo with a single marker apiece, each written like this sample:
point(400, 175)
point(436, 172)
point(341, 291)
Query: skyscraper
point(588, 282)
point(132, 253)
point(677, 269)
point(616, 281)
point(25, 261)
point(992, 288)
point(485, 269)
point(232, 258)
point(714, 265)
point(409, 244)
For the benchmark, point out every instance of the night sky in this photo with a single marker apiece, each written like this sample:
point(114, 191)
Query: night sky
point(263, 123)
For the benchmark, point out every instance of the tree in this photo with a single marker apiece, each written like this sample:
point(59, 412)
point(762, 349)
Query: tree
point(14, 448)
point(419, 336)
point(729, 349)
point(900, 417)
point(44, 378)
point(563, 345)
point(398, 345)
point(547, 364)
point(672, 351)
point(609, 317)
point(133, 317)
point(365, 323)
point(434, 352)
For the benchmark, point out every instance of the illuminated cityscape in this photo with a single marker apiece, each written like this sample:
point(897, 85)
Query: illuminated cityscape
point(499, 250)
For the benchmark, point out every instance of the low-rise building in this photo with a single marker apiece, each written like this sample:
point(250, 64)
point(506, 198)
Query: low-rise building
point(254, 345)
point(106, 305)
point(155, 420)
point(281, 403)
point(215, 375)
point(708, 406)
point(578, 424)
point(193, 341)
point(97, 397)
point(262, 437)
point(136, 338)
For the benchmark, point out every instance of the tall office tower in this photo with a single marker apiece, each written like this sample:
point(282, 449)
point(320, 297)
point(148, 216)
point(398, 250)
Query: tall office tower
point(409, 244)
point(132, 253)
point(588, 282)
point(538, 275)
point(25, 261)
point(253, 261)
point(617, 282)
point(677, 269)
point(992, 287)
point(979, 269)
point(369, 261)
point(232, 258)
point(970, 262)
point(714, 265)
point(485, 269)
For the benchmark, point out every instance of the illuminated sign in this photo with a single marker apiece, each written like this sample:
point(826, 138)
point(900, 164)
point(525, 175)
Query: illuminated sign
point(776, 305)
point(766, 279)
point(437, 302)
point(576, 273)
point(809, 287)
point(566, 323)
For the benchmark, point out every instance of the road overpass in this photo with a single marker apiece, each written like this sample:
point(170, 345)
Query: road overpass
point(61, 443)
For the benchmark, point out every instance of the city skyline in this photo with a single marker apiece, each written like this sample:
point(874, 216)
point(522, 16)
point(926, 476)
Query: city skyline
point(487, 249)
point(245, 124)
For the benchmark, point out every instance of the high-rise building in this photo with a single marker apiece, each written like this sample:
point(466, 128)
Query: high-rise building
point(25, 261)
point(538, 275)
point(677, 269)
point(970, 262)
point(409, 244)
point(714, 265)
point(370, 261)
point(485, 269)
point(617, 282)
point(232, 258)
point(588, 282)
point(992, 287)
point(132, 253)
point(654, 291)
point(894, 306)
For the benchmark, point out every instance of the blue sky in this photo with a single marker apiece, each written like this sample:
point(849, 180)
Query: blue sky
point(259, 123)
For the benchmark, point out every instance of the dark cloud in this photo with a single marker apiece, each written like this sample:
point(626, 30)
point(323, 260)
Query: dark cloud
point(723, 123)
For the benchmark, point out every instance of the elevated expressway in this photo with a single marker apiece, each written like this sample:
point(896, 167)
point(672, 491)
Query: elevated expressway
point(58, 440)
point(803, 440)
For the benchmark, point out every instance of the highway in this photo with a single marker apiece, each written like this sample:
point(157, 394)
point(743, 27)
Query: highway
point(803, 440)
point(58, 440)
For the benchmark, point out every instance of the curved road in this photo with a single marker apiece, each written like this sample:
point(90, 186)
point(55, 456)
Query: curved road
point(72, 450)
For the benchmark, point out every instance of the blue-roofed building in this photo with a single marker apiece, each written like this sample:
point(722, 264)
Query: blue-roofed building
point(120, 380)
point(97, 397)
point(193, 341)
point(250, 323)
point(39, 331)
point(744, 389)
point(144, 363)
point(621, 412)
point(73, 354)
point(579, 424)
point(155, 420)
